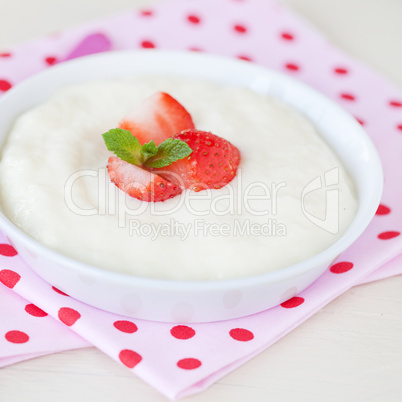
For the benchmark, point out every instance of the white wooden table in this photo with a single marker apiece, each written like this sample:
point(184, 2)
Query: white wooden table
point(350, 351)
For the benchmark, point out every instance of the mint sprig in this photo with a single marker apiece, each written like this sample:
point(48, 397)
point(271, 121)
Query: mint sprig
point(124, 145)
point(168, 152)
point(128, 148)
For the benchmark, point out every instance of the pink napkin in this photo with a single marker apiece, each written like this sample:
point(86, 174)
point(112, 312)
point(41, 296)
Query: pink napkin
point(179, 359)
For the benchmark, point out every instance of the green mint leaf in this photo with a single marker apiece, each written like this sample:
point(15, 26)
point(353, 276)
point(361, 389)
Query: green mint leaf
point(168, 152)
point(124, 145)
point(148, 150)
point(128, 148)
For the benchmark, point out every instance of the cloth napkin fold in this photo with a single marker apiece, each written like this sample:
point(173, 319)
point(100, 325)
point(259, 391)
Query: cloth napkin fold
point(180, 359)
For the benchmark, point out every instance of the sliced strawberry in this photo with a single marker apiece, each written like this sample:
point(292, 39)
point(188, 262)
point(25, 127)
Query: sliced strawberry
point(158, 117)
point(212, 164)
point(140, 183)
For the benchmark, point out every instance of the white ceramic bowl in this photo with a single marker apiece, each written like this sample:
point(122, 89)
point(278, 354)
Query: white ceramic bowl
point(196, 301)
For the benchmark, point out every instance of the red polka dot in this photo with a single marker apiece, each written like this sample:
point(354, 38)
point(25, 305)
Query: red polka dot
point(395, 103)
point(50, 60)
point(388, 235)
point(147, 44)
point(146, 13)
point(193, 19)
point(383, 210)
point(292, 67)
point(293, 302)
point(35, 311)
point(68, 316)
point(5, 54)
point(360, 121)
point(399, 127)
point(9, 278)
point(129, 358)
point(246, 58)
point(17, 337)
point(195, 49)
point(7, 250)
point(241, 334)
point(125, 326)
point(341, 70)
point(182, 332)
point(240, 28)
point(287, 36)
point(4, 85)
point(189, 363)
point(341, 267)
point(59, 291)
point(348, 96)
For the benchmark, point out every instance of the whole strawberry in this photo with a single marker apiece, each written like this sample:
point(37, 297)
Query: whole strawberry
point(212, 164)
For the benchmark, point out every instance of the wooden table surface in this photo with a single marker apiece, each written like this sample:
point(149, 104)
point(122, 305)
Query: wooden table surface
point(351, 350)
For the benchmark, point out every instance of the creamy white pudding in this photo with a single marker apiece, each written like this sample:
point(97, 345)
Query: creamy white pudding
point(290, 200)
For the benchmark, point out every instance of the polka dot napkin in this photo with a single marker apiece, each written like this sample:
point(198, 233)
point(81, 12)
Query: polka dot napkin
point(179, 359)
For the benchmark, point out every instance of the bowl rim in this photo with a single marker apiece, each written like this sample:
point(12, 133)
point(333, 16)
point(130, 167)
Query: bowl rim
point(359, 223)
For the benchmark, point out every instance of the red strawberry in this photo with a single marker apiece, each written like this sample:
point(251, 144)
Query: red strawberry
point(157, 118)
point(212, 164)
point(140, 183)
